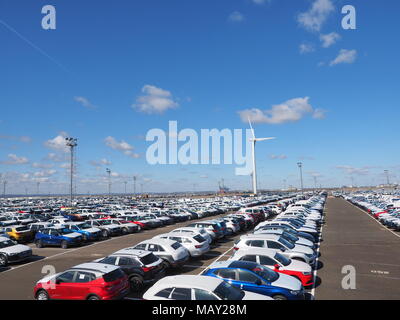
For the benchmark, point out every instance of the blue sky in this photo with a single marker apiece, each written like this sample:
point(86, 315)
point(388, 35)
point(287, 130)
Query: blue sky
point(111, 71)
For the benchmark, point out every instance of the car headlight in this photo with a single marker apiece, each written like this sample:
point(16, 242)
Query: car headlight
point(13, 254)
point(295, 292)
point(307, 273)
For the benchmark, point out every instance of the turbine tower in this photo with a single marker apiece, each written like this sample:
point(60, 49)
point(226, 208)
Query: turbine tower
point(253, 151)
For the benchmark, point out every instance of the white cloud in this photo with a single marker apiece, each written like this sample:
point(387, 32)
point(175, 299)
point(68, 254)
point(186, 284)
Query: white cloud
point(54, 157)
point(84, 102)
point(345, 56)
point(65, 165)
point(236, 16)
point(289, 111)
point(306, 48)
point(316, 16)
point(122, 146)
point(352, 170)
point(44, 174)
point(154, 100)
point(329, 39)
point(319, 114)
point(275, 156)
point(58, 143)
point(14, 159)
point(42, 165)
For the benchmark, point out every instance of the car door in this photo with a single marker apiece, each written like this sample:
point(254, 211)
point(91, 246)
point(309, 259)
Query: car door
point(54, 238)
point(62, 286)
point(249, 281)
point(79, 288)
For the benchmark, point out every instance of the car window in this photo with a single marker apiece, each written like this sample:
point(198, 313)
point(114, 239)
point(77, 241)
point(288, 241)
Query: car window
point(141, 246)
point(125, 261)
point(153, 247)
point(229, 274)
point(109, 260)
point(54, 233)
point(182, 294)
point(200, 294)
point(247, 276)
point(82, 277)
point(249, 257)
point(257, 243)
point(274, 245)
point(267, 261)
point(164, 293)
point(66, 277)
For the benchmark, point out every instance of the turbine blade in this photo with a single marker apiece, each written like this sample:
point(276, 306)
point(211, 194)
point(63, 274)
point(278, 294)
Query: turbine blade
point(263, 139)
point(251, 127)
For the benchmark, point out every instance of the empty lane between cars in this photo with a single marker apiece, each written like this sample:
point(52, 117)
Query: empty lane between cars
point(352, 238)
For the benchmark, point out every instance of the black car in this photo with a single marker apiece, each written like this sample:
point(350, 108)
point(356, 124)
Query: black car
point(141, 267)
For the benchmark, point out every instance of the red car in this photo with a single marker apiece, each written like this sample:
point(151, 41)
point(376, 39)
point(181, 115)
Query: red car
point(87, 281)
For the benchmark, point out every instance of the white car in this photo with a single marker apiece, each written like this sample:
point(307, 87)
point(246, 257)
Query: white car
point(196, 244)
point(172, 252)
point(287, 236)
point(189, 287)
point(11, 252)
point(277, 243)
point(192, 231)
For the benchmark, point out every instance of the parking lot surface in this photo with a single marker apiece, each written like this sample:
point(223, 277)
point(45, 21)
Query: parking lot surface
point(353, 238)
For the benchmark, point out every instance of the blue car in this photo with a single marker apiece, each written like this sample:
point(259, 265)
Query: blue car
point(87, 232)
point(57, 236)
point(251, 276)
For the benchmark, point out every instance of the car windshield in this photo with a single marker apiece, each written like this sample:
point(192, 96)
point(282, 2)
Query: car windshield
point(289, 236)
point(225, 291)
point(282, 259)
point(113, 275)
point(84, 226)
point(149, 259)
point(6, 244)
point(266, 273)
point(176, 245)
point(64, 231)
point(105, 222)
point(286, 243)
point(199, 238)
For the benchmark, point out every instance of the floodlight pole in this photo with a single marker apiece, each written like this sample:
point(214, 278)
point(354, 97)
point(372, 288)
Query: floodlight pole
point(109, 181)
point(71, 143)
point(300, 165)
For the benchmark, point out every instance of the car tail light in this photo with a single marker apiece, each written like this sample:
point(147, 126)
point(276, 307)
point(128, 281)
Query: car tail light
point(235, 248)
point(198, 246)
point(147, 269)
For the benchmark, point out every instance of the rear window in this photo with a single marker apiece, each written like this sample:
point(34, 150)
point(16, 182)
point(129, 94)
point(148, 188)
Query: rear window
point(199, 238)
point(148, 259)
point(21, 229)
point(113, 275)
point(176, 245)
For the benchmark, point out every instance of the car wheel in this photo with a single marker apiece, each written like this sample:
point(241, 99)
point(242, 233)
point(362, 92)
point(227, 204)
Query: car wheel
point(136, 283)
point(230, 231)
point(166, 264)
point(104, 233)
point(3, 260)
point(139, 228)
point(279, 297)
point(93, 297)
point(85, 237)
point(125, 231)
point(64, 244)
point(42, 295)
point(39, 244)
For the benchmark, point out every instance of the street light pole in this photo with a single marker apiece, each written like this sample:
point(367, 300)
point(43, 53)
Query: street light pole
point(387, 176)
point(71, 143)
point(125, 182)
point(300, 165)
point(134, 185)
point(109, 181)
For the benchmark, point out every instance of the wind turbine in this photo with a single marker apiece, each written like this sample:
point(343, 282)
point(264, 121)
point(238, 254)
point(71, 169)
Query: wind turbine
point(253, 150)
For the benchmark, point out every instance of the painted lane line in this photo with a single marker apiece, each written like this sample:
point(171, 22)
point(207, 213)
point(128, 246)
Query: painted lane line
point(219, 257)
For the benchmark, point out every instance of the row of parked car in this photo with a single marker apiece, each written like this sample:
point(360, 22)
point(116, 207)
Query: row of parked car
point(384, 208)
point(274, 262)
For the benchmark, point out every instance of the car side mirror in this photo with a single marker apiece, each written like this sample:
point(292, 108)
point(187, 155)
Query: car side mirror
point(58, 281)
point(258, 282)
point(277, 266)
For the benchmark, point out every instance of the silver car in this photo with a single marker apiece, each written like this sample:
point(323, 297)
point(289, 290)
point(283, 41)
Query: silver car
point(196, 244)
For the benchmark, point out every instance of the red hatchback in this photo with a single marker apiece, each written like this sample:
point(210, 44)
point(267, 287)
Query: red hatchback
point(87, 281)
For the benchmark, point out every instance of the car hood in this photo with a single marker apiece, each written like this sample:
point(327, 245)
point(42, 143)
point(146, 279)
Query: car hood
point(287, 282)
point(72, 235)
point(302, 249)
point(255, 296)
point(91, 230)
point(15, 249)
point(296, 265)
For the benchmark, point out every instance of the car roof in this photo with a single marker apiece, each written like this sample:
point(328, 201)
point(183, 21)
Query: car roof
point(4, 239)
point(95, 266)
point(189, 281)
point(261, 236)
point(161, 241)
point(131, 252)
point(233, 264)
point(255, 250)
